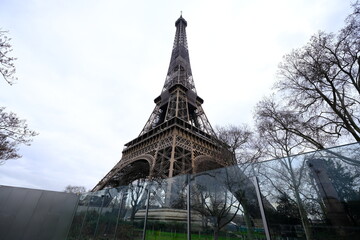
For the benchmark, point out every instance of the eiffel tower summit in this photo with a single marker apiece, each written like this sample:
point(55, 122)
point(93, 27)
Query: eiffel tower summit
point(177, 138)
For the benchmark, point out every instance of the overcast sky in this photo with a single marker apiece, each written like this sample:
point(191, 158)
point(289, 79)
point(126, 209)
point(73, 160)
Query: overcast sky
point(89, 70)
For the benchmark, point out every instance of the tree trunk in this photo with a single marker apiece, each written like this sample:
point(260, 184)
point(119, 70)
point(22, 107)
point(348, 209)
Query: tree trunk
point(132, 216)
point(216, 234)
point(250, 232)
point(303, 215)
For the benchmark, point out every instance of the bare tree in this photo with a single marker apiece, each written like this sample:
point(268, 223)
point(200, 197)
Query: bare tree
point(317, 104)
point(241, 141)
point(215, 203)
point(75, 189)
point(137, 196)
point(272, 116)
point(287, 174)
point(245, 147)
point(320, 83)
point(7, 66)
point(224, 196)
point(284, 134)
point(13, 131)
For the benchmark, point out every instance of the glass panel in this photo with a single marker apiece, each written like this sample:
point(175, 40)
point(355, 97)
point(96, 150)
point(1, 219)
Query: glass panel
point(131, 219)
point(335, 176)
point(92, 215)
point(167, 216)
point(110, 213)
point(224, 205)
point(79, 217)
point(314, 195)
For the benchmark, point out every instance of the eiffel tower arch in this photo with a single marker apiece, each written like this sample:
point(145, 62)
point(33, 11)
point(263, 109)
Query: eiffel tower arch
point(177, 138)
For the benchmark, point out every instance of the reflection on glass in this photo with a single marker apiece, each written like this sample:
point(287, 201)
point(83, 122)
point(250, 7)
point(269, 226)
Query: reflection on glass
point(93, 213)
point(79, 217)
point(167, 216)
point(310, 196)
point(314, 195)
point(132, 224)
point(224, 205)
point(110, 214)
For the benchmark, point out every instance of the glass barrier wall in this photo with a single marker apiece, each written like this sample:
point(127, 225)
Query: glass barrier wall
point(224, 205)
point(309, 196)
point(314, 195)
point(167, 212)
point(111, 214)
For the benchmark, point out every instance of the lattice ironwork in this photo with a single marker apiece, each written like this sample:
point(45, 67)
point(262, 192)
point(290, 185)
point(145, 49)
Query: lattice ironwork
point(162, 163)
point(182, 161)
point(177, 138)
point(179, 97)
point(184, 143)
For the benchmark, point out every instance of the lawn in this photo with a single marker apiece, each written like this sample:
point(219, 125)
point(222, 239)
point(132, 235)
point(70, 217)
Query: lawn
point(158, 235)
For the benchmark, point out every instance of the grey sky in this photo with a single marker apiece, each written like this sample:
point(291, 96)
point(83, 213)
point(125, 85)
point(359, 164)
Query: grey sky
point(89, 71)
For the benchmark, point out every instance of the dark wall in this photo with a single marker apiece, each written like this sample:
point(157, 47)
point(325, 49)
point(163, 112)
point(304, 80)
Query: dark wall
point(35, 214)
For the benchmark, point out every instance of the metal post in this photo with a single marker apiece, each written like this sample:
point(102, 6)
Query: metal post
point(100, 212)
point(118, 215)
point(73, 215)
point(188, 209)
point(146, 214)
point(261, 206)
point(87, 209)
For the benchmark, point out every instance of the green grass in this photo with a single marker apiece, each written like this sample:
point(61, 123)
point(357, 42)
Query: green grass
point(157, 235)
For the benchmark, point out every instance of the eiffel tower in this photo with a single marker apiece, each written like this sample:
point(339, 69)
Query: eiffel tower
point(177, 138)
